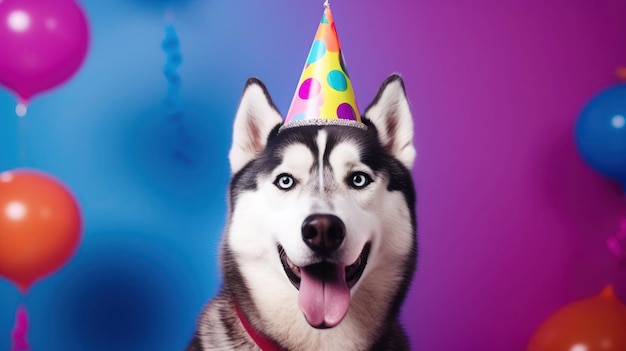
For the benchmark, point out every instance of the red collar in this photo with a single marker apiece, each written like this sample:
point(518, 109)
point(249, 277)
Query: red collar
point(261, 340)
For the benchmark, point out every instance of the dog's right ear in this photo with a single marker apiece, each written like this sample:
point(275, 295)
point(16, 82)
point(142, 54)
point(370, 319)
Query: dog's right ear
point(256, 117)
point(391, 115)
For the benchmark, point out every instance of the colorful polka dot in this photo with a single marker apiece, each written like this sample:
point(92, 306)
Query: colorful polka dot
point(337, 80)
point(324, 19)
point(317, 51)
point(345, 111)
point(310, 88)
point(299, 117)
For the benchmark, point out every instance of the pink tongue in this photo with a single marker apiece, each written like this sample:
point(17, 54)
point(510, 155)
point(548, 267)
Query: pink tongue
point(324, 295)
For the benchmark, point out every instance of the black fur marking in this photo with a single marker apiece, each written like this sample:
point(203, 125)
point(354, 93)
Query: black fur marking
point(226, 318)
point(246, 178)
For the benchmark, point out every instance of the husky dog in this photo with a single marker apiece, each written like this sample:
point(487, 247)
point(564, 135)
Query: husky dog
point(320, 246)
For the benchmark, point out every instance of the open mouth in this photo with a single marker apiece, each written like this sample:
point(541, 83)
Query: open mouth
point(353, 272)
point(324, 288)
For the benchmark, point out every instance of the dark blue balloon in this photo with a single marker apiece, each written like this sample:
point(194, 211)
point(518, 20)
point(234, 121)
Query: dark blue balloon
point(601, 133)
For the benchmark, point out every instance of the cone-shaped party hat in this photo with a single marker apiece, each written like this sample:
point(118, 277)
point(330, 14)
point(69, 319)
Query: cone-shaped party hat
point(324, 94)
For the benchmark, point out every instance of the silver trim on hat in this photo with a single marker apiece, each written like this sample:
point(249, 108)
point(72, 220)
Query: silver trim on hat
point(323, 122)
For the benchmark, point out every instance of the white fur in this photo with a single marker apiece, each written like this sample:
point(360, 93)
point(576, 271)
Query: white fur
point(322, 137)
point(257, 112)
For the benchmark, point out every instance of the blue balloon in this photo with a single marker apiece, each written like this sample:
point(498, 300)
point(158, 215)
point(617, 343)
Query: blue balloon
point(601, 133)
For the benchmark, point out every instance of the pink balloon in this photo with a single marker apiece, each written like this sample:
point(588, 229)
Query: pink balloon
point(42, 44)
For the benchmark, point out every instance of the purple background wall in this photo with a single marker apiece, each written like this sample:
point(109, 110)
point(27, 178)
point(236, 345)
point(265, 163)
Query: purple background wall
point(511, 221)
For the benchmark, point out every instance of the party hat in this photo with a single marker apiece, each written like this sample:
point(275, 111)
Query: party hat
point(324, 94)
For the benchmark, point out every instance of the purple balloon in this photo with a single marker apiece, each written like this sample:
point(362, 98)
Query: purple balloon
point(42, 44)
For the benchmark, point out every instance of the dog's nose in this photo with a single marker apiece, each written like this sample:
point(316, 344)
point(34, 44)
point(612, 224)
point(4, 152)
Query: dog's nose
point(323, 233)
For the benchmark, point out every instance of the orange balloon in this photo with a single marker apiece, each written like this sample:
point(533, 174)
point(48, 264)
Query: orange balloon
point(593, 324)
point(40, 226)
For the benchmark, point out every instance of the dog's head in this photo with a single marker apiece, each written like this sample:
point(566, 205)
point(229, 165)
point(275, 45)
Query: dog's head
point(316, 210)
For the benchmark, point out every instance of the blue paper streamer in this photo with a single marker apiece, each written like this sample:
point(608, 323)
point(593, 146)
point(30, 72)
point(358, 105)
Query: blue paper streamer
point(171, 47)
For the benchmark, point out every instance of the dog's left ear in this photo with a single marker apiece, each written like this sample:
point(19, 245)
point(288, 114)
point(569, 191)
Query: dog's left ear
point(256, 117)
point(391, 115)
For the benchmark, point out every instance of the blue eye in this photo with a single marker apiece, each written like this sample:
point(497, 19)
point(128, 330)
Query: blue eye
point(285, 181)
point(359, 180)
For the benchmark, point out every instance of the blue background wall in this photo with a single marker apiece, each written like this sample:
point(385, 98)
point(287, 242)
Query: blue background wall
point(512, 222)
point(148, 259)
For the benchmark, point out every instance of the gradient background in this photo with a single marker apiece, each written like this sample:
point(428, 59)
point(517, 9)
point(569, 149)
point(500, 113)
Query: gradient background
point(511, 221)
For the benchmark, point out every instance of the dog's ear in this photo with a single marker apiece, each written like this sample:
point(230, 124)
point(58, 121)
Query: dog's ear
point(391, 115)
point(256, 117)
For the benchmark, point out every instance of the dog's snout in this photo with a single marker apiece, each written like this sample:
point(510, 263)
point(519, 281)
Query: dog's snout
point(323, 233)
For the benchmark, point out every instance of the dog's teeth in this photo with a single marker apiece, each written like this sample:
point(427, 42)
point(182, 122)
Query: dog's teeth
point(293, 267)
